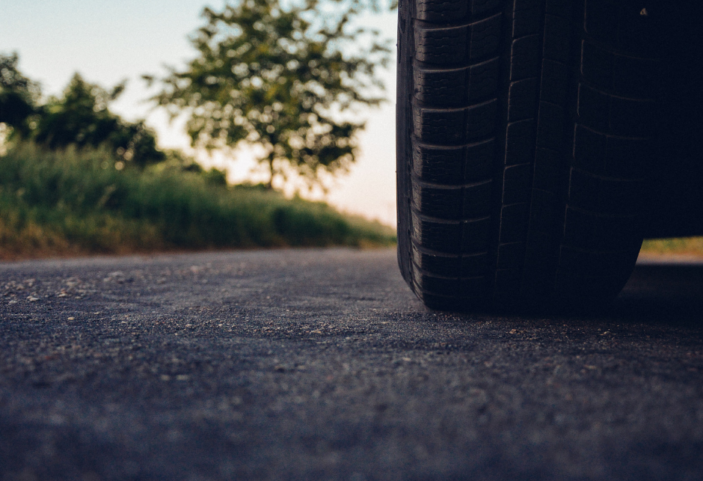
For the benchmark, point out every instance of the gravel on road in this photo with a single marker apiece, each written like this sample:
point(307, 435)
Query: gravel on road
point(320, 364)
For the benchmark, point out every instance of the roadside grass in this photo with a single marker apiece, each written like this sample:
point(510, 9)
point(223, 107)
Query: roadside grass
point(71, 203)
point(689, 246)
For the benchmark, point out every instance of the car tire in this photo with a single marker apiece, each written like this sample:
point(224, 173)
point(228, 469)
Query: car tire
point(525, 146)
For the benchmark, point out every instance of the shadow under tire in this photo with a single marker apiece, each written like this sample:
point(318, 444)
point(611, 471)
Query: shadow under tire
point(524, 149)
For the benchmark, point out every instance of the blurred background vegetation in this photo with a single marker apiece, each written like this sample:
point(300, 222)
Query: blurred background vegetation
point(76, 178)
point(73, 201)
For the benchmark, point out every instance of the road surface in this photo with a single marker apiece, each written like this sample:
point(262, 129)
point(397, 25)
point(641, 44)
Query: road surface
point(320, 364)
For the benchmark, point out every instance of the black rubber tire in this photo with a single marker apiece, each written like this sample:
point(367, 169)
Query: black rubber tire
point(525, 143)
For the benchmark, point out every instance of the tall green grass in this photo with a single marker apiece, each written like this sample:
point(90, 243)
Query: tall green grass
point(692, 246)
point(77, 202)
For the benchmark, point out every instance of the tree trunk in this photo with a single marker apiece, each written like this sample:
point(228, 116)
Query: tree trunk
point(269, 185)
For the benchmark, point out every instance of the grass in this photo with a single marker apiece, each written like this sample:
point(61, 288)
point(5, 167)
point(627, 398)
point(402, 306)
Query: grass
point(691, 246)
point(69, 203)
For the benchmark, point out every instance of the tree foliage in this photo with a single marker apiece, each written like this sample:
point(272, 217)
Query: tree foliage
point(18, 94)
point(280, 78)
point(357, 6)
point(81, 117)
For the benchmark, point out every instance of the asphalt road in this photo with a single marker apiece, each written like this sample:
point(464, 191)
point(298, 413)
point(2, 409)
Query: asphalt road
point(320, 364)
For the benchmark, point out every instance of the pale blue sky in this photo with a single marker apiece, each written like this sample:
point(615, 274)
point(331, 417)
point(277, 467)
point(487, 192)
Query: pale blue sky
point(110, 41)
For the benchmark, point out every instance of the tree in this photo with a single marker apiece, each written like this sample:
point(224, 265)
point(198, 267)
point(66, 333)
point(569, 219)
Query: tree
point(81, 117)
point(357, 6)
point(280, 78)
point(18, 94)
